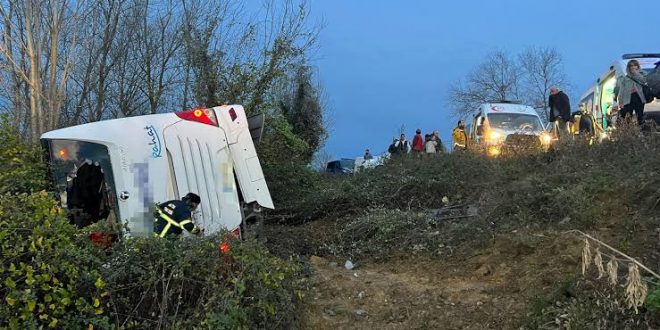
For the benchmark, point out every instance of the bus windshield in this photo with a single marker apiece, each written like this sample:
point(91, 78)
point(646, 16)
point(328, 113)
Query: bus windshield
point(82, 175)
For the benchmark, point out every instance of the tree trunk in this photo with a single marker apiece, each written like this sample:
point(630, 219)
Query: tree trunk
point(32, 27)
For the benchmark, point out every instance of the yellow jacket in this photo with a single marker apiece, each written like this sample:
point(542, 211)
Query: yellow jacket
point(460, 137)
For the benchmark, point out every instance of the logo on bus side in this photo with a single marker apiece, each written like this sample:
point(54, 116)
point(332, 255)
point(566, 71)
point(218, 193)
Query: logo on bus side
point(156, 150)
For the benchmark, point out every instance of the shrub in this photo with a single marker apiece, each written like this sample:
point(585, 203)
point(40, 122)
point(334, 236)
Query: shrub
point(188, 284)
point(653, 300)
point(51, 276)
point(592, 305)
point(385, 232)
point(22, 164)
point(46, 278)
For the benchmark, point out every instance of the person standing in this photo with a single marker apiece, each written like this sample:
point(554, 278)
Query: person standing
point(399, 147)
point(653, 79)
point(439, 147)
point(367, 155)
point(418, 142)
point(560, 109)
point(629, 92)
point(461, 141)
point(430, 145)
point(403, 145)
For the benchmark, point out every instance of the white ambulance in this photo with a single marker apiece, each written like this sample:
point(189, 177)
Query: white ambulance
point(119, 168)
point(599, 98)
point(497, 126)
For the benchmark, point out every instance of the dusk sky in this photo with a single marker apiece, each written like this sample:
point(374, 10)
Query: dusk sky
point(384, 63)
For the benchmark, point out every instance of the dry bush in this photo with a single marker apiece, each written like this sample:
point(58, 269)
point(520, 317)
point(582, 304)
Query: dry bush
point(635, 289)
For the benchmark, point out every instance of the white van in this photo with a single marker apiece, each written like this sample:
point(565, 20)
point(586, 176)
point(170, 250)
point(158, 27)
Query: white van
point(599, 98)
point(376, 161)
point(119, 168)
point(496, 125)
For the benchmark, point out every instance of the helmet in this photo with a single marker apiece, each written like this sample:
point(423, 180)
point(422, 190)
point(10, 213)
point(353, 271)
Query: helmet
point(191, 198)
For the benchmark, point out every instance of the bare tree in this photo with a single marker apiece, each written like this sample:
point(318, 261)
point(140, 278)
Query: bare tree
point(543, 69)
point(160, 40)
point(497, 78)
point(267, 51)
point(37, 46)
point(127, 77)
point(526, 78)
point(206, 32)
point(137, 57)
point(91, 82)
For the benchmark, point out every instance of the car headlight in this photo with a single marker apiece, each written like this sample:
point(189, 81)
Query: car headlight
point(546, 139)
point(494, 136)
point(494, 151)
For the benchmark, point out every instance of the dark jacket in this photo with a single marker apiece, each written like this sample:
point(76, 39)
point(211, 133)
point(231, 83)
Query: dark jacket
point(560, 102)
point(399, 148)
point(175, 213)
point(653, 79)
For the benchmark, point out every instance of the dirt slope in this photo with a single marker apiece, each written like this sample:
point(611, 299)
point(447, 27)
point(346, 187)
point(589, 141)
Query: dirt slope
point(490, 289)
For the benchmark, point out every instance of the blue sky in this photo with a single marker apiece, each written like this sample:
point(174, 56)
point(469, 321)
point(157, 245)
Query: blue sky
point(389, 63)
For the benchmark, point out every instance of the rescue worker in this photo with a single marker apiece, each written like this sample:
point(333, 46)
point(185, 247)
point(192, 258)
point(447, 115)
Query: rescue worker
point(173, 216)
point(460, 137)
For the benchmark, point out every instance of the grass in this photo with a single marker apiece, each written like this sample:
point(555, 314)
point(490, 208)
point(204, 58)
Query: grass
point(610, 188)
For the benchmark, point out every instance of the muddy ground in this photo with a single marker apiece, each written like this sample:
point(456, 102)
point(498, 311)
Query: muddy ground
point(493, 287)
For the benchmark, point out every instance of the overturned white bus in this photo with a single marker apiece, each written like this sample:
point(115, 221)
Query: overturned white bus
point(117, 169)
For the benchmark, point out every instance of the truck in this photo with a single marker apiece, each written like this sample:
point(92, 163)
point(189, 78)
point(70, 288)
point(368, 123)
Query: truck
point(117, 169)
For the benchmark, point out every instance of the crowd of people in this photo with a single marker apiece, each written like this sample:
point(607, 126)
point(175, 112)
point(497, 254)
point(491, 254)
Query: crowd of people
point(632, 92)
point(429, 144)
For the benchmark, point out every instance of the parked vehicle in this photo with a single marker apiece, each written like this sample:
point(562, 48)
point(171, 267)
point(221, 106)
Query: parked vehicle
point(502, 126)
point(340, 166)
point(599, 98)
point(118, 169)
point(376, 161)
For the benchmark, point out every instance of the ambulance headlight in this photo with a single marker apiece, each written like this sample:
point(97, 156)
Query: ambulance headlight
point(494, 137)
point(546, 138)
point(494, 151)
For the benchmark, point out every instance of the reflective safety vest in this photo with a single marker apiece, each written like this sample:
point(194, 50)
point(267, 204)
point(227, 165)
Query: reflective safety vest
point(460, 138)
point(172, 218)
